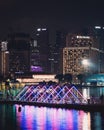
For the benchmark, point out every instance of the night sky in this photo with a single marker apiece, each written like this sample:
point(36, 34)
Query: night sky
point(26, 15)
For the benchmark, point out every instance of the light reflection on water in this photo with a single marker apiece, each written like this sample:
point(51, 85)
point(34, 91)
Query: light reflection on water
point(42, 118)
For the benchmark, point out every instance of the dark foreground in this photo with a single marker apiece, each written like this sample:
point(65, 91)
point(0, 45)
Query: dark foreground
point(85, 107)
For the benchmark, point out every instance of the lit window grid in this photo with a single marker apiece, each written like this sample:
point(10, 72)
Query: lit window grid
point(72, 58)
point(73, 41)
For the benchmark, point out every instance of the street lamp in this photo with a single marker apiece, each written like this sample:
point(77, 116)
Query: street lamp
point(85, 64)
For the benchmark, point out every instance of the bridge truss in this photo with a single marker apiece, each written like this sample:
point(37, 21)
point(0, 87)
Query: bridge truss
point(50, 94)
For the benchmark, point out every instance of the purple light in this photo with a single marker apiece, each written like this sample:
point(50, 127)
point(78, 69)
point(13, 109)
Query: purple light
point(36, 69)
point(51, 94)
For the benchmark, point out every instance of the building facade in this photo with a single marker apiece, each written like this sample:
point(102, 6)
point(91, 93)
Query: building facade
point(35, 64)
point(19, 52)
point(60, 43)
point(42, 38)
point(98, 33)
point(4, 59)
point(80, 55)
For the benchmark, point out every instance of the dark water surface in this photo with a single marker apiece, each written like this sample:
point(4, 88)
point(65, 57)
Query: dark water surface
point(42, 118)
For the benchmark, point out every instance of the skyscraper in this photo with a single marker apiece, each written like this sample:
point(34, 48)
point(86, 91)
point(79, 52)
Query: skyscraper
point(35, 64)
point(4, 58)
point(98, 33)
point(42, 37)
point(80, 55)
point(60, 43)
point(19, 52)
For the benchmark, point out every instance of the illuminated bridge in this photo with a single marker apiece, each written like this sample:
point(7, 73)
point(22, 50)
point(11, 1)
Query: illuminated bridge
point(50, 94)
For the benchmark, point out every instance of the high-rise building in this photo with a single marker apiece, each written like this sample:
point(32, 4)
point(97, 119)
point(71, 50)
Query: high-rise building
point(60, 43)
point(4, 59)
point(35, 64)
point(80, 55)
point(19, 52)
point(98, 33)
point(42, 37)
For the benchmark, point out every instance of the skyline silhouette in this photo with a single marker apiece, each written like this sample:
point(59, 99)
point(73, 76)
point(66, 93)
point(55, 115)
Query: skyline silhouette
point(26, 15)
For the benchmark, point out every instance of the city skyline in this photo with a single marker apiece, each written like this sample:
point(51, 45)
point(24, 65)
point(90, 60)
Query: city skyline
point(26, 15)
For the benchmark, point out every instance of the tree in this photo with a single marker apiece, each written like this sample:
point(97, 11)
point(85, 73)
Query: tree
point(1, 78)
point(81, 78)
point(68, 78)
point(59, 77)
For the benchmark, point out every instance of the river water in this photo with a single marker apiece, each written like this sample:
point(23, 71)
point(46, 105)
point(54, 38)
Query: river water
point(16, 117)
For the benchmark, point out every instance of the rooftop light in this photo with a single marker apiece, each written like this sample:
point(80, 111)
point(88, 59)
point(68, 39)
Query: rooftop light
point(97, 27)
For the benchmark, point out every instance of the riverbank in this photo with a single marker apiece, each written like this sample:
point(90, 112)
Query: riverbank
point(85, 107)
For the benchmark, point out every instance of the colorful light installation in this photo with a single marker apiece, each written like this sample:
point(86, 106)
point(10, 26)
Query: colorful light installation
point(51, 94)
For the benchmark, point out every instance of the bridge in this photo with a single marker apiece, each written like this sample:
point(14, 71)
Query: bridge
point(51, 94)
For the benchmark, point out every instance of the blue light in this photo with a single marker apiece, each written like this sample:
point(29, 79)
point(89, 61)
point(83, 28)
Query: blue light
point(51, 94)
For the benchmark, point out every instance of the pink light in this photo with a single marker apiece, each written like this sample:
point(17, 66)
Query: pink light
point(52, 94)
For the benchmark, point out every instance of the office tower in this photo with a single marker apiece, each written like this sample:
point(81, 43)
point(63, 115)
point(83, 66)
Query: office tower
point(19, 52)
point(98, 33)
point(4, 59)
point(42, 37)
point(35, 64)
point(60, 43)
point(80, 55)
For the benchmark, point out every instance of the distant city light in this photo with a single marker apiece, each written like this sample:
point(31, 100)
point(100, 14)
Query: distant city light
point(97, 27)
point(4, 45)
point(39, 29)
point(36, 69)
point(85, 93)
point(83, 37)
point(35, 43)
point(46, 76)
point(7, 52)
point(44, 29)
point(51, 59)
point(37, 34)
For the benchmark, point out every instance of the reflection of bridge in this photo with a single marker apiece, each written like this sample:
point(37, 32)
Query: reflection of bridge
point(50, 94)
